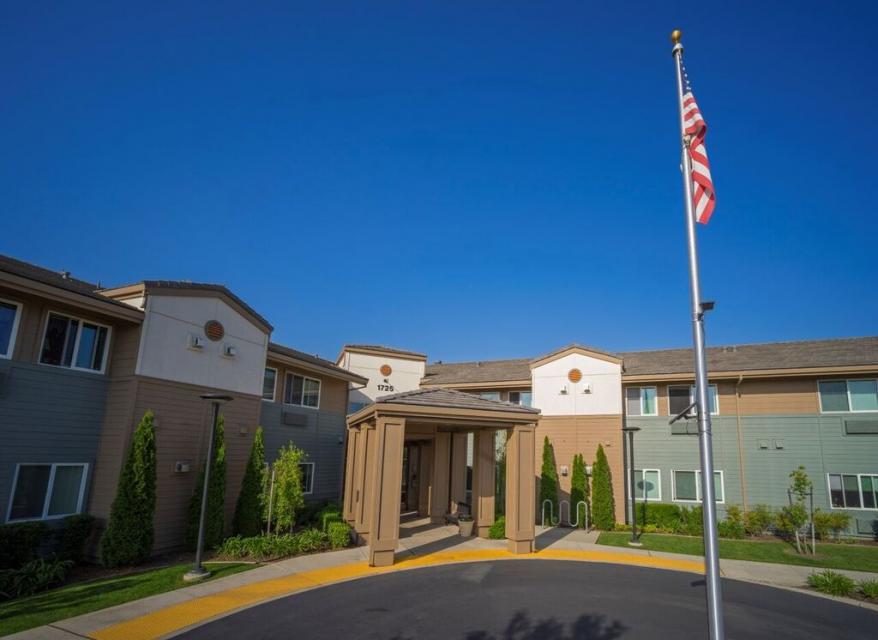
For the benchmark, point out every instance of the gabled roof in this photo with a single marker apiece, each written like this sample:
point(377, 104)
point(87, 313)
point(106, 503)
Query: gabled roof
point(377, 349)
point(486, 373)
point(449, 398)
point(581, 349)
point(313, 363)
point(184, 286)
point(62, 281)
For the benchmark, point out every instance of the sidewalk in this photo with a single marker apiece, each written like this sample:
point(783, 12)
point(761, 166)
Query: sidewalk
point(167, 614)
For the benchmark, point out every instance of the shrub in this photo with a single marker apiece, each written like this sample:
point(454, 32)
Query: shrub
point(248, 510)
point(72, 536)
point(692, 522)
point(269, 547)
point(793, 518)
point(603, 504)
point(214, 521)
point(549, 480)
point(830, 525)
point(498, 529)
point(579, 489)
point(759, 520)
point(288, 498)
point(733, 525)
point(339, 534)
point(19, 543)
point(129, 535)
point(665, 517)
point(35, 576)
point(831, 582)
point(869, 589)
point(327, 518)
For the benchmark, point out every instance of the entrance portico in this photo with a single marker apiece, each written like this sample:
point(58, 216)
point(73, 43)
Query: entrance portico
point(431, 427)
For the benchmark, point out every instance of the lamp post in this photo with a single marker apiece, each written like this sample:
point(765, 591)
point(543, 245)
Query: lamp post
point(635, 539)
point(198, 572)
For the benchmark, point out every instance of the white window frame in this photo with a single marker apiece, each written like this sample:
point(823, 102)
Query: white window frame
point(304, 406)
point(274, 389)
point(644, 498)
point(14, 334)
point(699, 499)
point(73, 366)
point(640, 393)
point(49, 488)
point(519, 392)
point(874, 476)
point(313, 478)
point(848, 390)
point(692, 396)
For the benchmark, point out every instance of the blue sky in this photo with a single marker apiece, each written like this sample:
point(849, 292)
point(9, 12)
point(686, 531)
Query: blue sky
point(473, 180)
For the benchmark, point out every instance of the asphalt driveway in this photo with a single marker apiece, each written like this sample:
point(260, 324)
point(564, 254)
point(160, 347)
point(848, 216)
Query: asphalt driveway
point(540, 600)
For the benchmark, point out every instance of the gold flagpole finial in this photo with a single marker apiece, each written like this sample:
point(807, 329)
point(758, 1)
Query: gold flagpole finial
point(676, 34)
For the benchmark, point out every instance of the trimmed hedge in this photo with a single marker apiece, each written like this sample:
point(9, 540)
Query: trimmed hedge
point(498, 529)
point(72, 536)
point(339, 534)
point(666, 517)
point(20, 542)
point(271, 547)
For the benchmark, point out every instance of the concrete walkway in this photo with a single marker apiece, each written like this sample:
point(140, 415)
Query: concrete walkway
point(421, 545)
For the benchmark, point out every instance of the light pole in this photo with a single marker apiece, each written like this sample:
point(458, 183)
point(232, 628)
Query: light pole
point(635, 539)
point(198, 572)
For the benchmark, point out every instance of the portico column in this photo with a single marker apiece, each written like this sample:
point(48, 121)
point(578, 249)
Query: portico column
point(439, 482)
point(349, 484)
point(483, 481)
point(458, 470)
point(385, 494)
point(520, 488)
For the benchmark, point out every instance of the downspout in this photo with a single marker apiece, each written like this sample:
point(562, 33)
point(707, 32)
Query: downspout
point(744, 501)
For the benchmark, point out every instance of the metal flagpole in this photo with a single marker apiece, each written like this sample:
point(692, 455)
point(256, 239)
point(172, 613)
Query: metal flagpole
point(705, 444)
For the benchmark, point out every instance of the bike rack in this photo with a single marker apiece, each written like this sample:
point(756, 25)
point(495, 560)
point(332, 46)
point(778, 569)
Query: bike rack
point(551, 512)
point(584, 511)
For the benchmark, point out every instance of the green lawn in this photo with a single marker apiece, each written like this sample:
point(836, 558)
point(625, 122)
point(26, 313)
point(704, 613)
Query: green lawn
point(857, 557)
point(76, 599)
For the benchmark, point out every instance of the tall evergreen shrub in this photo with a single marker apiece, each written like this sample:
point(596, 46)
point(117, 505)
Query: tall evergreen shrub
point(602, 486)
point(129, 535)
point(579, 489)
point(548, 479)
point(248, 510)
point(216, 496)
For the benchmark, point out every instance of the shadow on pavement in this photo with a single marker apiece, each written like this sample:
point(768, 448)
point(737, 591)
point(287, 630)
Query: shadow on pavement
point(586, 627)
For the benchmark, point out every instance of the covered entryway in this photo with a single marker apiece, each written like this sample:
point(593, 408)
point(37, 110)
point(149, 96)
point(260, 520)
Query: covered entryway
point(431, 427)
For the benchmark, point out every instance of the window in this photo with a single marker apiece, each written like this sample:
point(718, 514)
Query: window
point(524, 398)
point(9, 315)
point(307, 469)
point(848, 395)
point(268, 384)
point(302, 391)
point(641, 401)
point(74, 343)
point(44, 491)
point(489, 395)
point(853, 491)
point(687, 486)
point(680, 397)
point(647, 482)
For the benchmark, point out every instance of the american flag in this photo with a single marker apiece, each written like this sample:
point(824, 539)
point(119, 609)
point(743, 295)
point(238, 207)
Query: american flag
point(695, 128)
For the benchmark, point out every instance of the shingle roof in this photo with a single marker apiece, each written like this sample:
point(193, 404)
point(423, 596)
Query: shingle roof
point(60, 279)
point(389, 350)
point(487, 371)
point(452, 399)
point(575, 345)
point(295, 354)
point(801, 354)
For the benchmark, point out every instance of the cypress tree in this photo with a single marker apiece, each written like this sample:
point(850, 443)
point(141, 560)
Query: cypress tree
point(248, 510)
point(215, 517)
point(579, 488)
point(549, 479)
point(604, 514)
point(129, 535)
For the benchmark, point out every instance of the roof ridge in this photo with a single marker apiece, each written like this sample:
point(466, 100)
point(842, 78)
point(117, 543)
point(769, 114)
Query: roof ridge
point(752, 344)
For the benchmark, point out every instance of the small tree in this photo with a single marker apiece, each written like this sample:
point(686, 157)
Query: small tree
point(129, 535)
point(549, 478)
point(288, 496)
point(216, 496)
point(793, 518)
point(604, 511)
point(248, 510)
point(579, 489)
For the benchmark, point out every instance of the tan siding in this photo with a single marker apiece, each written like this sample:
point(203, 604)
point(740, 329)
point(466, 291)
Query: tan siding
point(333, 392)
point(779, 396)
point(570, 435)
point(124, 345)
point(182, 427)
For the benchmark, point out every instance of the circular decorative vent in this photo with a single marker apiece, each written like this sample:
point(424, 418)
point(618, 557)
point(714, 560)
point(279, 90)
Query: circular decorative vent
point(574, 375)
point(214, 330)
point(385, 370)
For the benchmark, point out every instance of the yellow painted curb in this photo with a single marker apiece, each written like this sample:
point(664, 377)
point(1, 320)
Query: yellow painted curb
point(179, 616)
